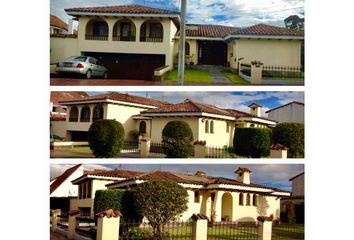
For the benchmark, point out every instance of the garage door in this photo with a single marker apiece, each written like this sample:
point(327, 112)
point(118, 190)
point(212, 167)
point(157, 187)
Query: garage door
point(130, 66)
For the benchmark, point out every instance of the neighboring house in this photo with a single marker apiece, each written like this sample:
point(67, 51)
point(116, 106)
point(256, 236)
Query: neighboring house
point(297, 197)
point(58, 112)
point(133, 40)
point(58, 26)
point(290, 112)
point(89, 182)
point(148, 116)
point(225, 199)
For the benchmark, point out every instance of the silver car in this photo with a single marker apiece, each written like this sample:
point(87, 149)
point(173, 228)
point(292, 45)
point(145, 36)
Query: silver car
point(83, 65)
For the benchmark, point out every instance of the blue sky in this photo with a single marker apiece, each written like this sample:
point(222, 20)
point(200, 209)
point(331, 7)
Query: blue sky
point(235, 100)
point(275, 175)
point(238, 13)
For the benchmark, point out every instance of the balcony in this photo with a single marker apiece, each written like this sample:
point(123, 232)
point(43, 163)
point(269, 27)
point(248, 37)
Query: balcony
point(151, 39)
point(124, 39)
point(96, 37)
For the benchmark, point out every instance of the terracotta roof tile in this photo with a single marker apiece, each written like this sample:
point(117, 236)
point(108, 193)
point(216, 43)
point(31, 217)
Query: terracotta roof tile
point(278, 147)
point(59, 180)
point(213, 31)
point(113, 173)
point(119, 97)
point(55, 97)
point(263, 29)
point(129, 9)
point(57, 22)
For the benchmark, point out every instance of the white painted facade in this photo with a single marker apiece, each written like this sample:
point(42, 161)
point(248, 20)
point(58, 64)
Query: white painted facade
point(293, 112)
point(67, 189)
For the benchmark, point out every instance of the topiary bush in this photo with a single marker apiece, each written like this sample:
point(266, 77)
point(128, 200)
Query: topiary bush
point(252, 142)
point(291, 135)
point(106, 138)
point(177, 140)
point(117, 199)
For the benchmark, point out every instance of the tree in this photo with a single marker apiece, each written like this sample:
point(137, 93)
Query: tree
point(252, 142)
point(177, 139)
point(262, 205)
point(160, 202)
point(291, 135)
point(294, 22)
point(106, 138)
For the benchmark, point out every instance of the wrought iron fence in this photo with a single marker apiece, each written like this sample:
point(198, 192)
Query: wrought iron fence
point(131, 147)
point(219, 152)
point(86, 226)
point(232, 230)
point(156, 149)
point(245, 69)
point(288, 231)
point(282, 72)
point(122, 38)
point(143, 231)
point(96, 37)
point(151, 39)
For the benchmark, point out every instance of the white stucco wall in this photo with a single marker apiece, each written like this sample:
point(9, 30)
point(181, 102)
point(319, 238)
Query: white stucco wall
point(291, 113)
point(67, 189)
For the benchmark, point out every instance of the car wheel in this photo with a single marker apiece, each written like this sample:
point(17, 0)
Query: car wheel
point(88, 74)
point(105, 75)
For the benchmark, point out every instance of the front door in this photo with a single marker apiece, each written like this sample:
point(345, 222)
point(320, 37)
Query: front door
point(212, 53)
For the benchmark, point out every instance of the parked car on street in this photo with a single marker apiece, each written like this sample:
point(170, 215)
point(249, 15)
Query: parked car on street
point(82, 65)
point(55, 138)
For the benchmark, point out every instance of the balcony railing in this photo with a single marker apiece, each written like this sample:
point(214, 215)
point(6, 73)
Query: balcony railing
point(96, 37)
point(125, 39)
point(151, 39)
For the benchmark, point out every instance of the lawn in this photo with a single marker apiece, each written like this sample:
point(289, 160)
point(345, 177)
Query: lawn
point(234, 78)
point(190, 76)
point(77, 149)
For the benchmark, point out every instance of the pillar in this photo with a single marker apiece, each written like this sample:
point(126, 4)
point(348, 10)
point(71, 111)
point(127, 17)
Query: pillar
point(108, 225)
point(200, 149)
point(145, 147)
point(264, 228)
point(72, 223)
point(55, 213)
point(199, 227)
point(256, 72)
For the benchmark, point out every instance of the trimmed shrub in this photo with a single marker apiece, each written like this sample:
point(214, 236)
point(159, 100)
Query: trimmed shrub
point(252, 142)
point(177, 140)
point(106, 138)
point(291, 135)
point(116, 199)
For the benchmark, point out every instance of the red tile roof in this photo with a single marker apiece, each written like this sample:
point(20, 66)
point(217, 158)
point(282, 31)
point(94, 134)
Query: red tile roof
point(59, 180)
point(278, 147)
point(213, 31)
point(119, 97)
point(129, 9)
point(57, 22)
point(263, 29)
point(189, 106)
point(242, 169)
point(55, 97)
point(255, 104)
point(113, 173)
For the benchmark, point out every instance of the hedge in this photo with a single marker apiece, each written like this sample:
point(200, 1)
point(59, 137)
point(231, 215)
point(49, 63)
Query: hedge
point(291, 135)
point(117, 199)
point(106, 138)
point(252, 142)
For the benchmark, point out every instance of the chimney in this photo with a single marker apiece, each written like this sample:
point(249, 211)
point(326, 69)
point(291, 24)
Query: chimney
point(243, 175)
point(200, 174)
point(71, 27)
point(255, 109)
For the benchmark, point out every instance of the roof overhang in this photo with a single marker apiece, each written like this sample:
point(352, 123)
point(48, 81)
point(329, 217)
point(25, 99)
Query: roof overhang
point(110, 14)
point(106, 101)
point(232, 37)
point(202, 38)
point(257, 120)
point(189, 114)
point(248, 188)
point(86, 177)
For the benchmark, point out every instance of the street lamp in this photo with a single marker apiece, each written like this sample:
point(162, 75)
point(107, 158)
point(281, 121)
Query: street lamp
point(182, 39)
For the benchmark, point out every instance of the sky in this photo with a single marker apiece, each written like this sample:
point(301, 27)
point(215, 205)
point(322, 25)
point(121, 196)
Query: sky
point(234, 100)
point(237, 13)
point(274, 175)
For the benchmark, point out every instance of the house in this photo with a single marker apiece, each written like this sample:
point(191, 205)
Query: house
point(62, 190)
point(91, 181)
point(225, 199)
point(58, 26)
point(148, 116)
point(132, 41)
point(290, 112)
point(58, 112)
point(297, 198)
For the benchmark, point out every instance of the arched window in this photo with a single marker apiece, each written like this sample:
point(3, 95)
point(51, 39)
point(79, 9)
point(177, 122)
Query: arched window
point(96, 29)
point(187, 49)
point(240, 199)
point(142, 127)
point(151, 31)
point(85, 114)
point(206, 126)
point(254, 200)
point(196, 197)
point(124, 30)
point(74, 114)
point(211, 126)
point(97, 113)
point(248, 199)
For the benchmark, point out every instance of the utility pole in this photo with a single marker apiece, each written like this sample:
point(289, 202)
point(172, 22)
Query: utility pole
point(182, 39)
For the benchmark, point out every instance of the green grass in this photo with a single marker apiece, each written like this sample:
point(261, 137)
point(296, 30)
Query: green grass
point(190, 76)
point(77, 149)
point(284, 78)
point(234, 78)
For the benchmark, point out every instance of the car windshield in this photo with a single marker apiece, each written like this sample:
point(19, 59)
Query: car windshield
point(76, 59)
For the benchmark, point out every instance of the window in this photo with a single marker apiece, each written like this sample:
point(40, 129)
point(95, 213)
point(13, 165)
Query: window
point(248, 199)
point(227, 127)
point(187, 49)
point(196, 197)
point(100, 28)
point(97, 113)
point(206, 126)
point(240, 199)
point(142, 127)
point(92, 60)
point(85, 190)
point(156, 30)
point(211, 126)
point(254, 200)
point(85, 114)
point(74, 114)
point(125, 29)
